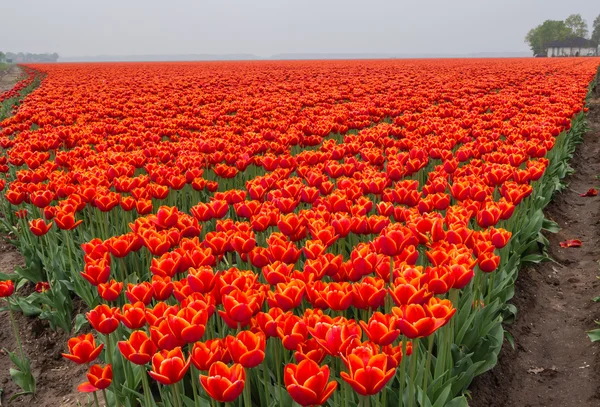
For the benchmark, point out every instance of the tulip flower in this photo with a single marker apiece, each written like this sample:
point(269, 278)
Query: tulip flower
point(42, 287)
point(367, 373)
point(133, 316)
point(247, 348)
point(38, 227)
point(381, 329)
point(83, 349)
point(103, 319)
point(7, 288)
point(335, 338)
point(99, 378)
point(140, 292)
point(292, 331)
point(204, 354)
point(223, 383)
point(189, 324)
point(169, 366)
point(138, 349)
point(110, 291)
point(308, 383)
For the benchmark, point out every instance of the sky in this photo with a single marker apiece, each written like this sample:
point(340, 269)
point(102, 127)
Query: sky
point(268, 27)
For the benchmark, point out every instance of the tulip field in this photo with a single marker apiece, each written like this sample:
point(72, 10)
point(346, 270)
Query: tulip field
point(341, 233)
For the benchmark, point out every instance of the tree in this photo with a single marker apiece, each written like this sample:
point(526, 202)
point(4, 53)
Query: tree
point(539, 37)
point(596, 31)
point(578, 25)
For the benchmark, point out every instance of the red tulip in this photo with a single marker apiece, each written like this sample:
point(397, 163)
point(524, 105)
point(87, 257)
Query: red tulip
point(169, 366)
point(224, 384)
point(204, 354)
point(103, 319)
point(308, 383)
point(82, 349)
point(133, 316)
point(381, 329)
point(110, 291)
point(7, 288)
point(247, 348)
point(367, 373)
point(99, 378)
point(138, 349)
point(38, 227)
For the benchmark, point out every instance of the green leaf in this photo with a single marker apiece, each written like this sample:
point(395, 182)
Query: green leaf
point(458, 402)
point(6, 277)
point(594, 335)
point(29, 308)
point(534, 258)
point(509, 313)
point(31, 273)
point(510, 339)
point(550, 226)
point(443, 397)
point(17, 395)
point(80, 321)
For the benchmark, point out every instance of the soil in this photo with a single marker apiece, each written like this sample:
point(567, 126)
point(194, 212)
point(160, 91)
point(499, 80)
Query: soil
point(56, 378)
point(554, 363)
point(8, 77)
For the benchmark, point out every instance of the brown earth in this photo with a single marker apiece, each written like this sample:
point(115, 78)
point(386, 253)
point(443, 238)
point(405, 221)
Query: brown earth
point(554, 363)
point(56, 378)
point(8, 77)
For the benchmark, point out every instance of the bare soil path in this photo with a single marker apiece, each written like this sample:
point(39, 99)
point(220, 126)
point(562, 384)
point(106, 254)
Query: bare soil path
point(554, 363)
point(8, 77)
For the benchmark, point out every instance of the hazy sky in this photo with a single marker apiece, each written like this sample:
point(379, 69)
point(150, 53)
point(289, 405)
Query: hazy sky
point(266, 27)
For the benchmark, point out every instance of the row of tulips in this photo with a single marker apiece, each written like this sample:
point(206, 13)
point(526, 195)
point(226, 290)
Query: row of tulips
point(349, 245)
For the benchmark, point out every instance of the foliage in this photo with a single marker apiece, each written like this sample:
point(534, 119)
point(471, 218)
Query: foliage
point(577, 25)
point(596, 31)
point(21, 57)
point(539, 37)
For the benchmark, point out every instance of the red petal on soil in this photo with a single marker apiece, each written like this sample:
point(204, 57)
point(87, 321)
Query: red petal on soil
point(571, 243)
point(590, 192)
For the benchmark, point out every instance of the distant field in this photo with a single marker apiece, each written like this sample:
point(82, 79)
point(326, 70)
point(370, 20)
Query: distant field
point(3, 66)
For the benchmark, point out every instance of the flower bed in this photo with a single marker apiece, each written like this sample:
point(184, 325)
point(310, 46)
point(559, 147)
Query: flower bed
point(261, 233)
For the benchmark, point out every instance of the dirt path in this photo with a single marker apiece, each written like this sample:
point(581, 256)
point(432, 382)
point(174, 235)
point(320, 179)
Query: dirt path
point(554, 363)
point(9, 77)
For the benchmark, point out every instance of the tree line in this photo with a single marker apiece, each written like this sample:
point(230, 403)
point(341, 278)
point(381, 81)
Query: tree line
point(539, 37)
point(28, 57)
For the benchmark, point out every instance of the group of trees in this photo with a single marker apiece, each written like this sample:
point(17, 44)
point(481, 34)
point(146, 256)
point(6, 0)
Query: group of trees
point(539, 37)
point(27, 57)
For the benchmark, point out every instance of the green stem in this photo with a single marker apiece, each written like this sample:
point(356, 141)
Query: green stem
point(96, 399)
point(105, 397)
point(176, 394)
point(413, 372)
point(277, 368)
point(426, 372)
point(194, 373)
point(15, 329)
point(266, 382)
point(146, 388)
point(248, 391)
point(109, 357)
point(402, 373)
